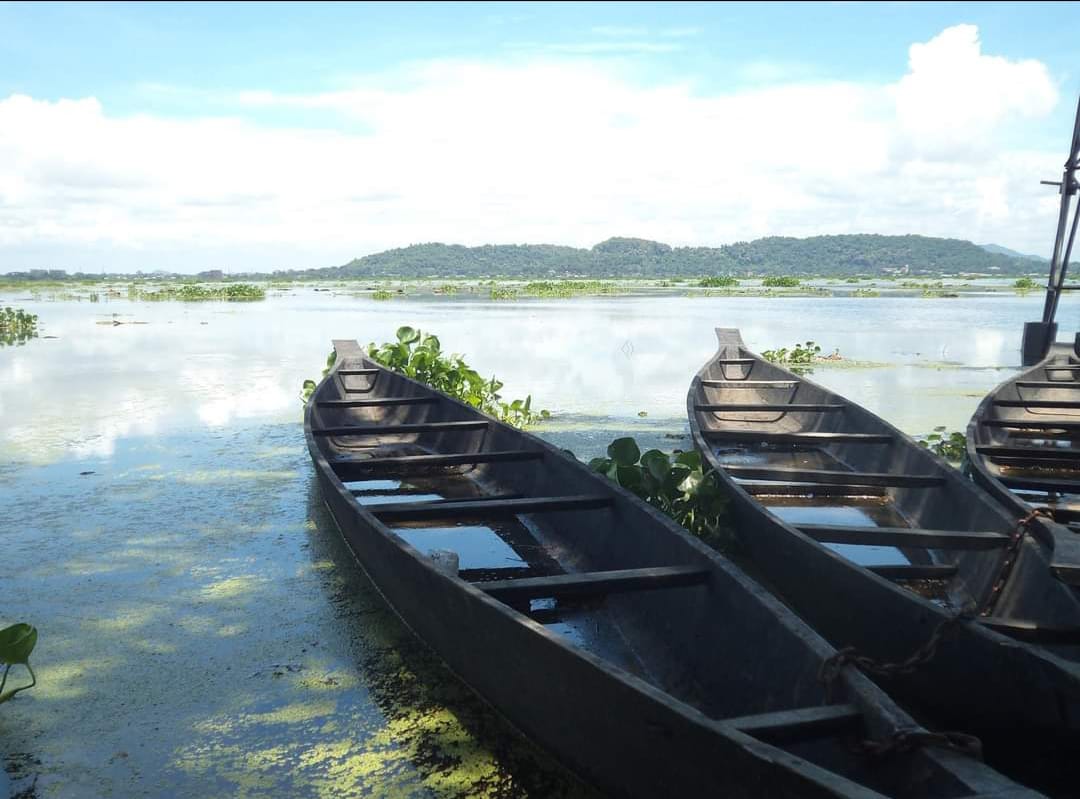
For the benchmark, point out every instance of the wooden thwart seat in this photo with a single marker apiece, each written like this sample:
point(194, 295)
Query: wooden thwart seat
point(799, 438)
point(1064, 404)
point(593, 584)
point(734, 361)
point(376, 402)
point(903, 537)
point(442, 509)
point(1072, 384)
point(357, 372)
point(1029, 453)
point(914, 571)
point(750, 383)
point(785, 726)
point(834, 477)
point(422, 427)
point(1033, 424)
point(1033, 632)
point(772, 407)
point(1047, 483)
point(345, 467)
point(811, 489)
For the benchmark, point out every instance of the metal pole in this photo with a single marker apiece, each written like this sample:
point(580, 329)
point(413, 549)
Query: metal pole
point(1059, 262)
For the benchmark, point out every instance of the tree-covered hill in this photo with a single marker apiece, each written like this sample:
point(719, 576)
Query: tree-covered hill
point(845, 255)
point(828, 256)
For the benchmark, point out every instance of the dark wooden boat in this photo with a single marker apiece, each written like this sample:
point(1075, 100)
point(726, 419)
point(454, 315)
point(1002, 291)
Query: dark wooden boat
point(644, 660)
point(1023, 446)
point(882, 546)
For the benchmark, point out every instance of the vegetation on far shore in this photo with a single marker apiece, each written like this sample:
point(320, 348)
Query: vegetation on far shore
point(841, 256)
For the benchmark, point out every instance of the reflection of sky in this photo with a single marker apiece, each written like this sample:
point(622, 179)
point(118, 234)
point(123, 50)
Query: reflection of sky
point(214, 364)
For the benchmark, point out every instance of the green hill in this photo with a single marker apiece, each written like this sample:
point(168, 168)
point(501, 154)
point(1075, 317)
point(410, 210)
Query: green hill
point(839, 256)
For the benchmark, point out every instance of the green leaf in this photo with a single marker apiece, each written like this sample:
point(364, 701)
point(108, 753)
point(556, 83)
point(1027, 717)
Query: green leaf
point(624, 451)
point(407, 335)
point(16, 643)
point(629, 477)
point(600, 464)
point(691, 459)
point(657, 463)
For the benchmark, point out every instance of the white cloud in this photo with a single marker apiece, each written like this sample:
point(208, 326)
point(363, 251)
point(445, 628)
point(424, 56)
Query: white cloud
point(553, 150)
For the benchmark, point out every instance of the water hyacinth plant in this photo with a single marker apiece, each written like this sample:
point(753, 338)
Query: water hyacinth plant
point(420, 356)
point(17, 326)
point(951, 446)
point(16, 644)
point(233, 292)
point(675, 484)
point(799, 355)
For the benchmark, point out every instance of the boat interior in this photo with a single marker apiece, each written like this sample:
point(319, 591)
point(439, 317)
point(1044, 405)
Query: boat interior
point(1029, 439)
point(835, 473)
point(601, 573)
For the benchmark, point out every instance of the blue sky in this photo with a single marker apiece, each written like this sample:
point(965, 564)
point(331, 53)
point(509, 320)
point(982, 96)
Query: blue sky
point(271, 136)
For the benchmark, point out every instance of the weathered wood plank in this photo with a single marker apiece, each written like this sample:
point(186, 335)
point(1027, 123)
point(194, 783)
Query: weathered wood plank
point(595, 583)
point(811, 489)
point(1033, 424)
point(1029, 453)
point(903, 537)
point(376, 402)
point(799, 438)
point(749, 383)
point(1033, 632)
point(834, 477)
point(421, 427)
point(792, 407)
point(914, 571)
point(1033, 403)
point(1047, 483)
point(444, 509)
point(786, 726)
point(346, 468)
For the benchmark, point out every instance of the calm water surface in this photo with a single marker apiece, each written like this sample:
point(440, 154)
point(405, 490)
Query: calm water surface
point(203, 630)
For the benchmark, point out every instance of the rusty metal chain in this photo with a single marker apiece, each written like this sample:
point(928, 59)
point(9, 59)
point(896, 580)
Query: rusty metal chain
point(832, 666)
point(1011, 553)
point(904, 740)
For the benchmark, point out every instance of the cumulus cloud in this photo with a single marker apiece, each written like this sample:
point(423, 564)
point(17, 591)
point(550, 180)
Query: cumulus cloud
point(565, 150)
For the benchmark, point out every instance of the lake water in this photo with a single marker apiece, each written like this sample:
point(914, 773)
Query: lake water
point(202, 628)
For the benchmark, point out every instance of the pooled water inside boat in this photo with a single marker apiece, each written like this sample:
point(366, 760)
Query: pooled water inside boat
point(498, 550)
point(816, 504)
point(203, 630)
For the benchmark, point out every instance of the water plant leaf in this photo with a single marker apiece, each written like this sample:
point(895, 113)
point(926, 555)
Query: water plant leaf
point(16, 643)
point(624, 451)
point(407, 335)
point(657, 463)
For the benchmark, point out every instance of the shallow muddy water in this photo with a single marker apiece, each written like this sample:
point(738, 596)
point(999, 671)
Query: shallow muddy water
point(203, 631)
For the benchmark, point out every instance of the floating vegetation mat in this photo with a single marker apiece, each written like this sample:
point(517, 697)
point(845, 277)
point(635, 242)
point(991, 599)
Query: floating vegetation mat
point(17, 327)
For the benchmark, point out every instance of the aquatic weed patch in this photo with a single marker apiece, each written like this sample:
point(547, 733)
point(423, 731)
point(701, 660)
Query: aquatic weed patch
point(189, 292)
point(676, 484)
point(17, 326)
point(420, 356)
point(951, 446)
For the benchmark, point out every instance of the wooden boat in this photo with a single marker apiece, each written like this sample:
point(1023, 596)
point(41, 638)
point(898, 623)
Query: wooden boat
point(882, 546)
point(1022, 447)
point(641, 658)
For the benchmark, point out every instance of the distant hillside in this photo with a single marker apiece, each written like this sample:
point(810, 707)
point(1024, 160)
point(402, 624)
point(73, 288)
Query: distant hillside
point(999, 250)
point(827, 256)
point(839, 256)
